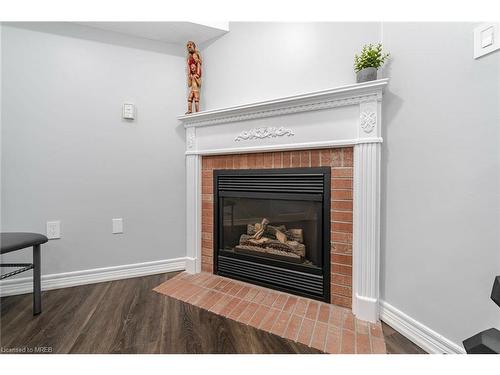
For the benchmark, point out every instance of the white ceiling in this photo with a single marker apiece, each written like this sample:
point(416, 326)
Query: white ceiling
point(167, 32)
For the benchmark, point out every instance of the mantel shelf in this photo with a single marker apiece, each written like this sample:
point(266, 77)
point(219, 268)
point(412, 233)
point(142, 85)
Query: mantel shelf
point(317, 100)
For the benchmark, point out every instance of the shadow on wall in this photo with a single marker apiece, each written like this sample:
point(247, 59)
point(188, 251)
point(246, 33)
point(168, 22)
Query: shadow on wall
point(181, 132)
point(392, 106)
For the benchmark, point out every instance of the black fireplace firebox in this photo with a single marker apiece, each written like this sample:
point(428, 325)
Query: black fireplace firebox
point(272, 228)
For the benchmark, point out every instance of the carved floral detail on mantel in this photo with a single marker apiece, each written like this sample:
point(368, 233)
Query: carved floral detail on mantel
point(262, 133)
point(368, 120)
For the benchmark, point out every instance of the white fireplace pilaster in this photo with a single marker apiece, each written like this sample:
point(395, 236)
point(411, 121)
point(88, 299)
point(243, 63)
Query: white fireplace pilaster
point(366, 230)
point(366, 214)
point(193, 213)
point(339, 117)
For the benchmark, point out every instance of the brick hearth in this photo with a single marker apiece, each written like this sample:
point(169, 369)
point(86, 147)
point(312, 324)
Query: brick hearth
point(340, 160)
point(330, 328)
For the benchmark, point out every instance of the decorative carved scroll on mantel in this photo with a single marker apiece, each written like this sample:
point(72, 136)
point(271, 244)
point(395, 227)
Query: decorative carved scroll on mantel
point(265, 132)
point(190, 140)
point(368, 120)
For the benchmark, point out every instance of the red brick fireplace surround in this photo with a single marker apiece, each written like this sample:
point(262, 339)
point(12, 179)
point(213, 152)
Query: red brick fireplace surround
point(340, 160)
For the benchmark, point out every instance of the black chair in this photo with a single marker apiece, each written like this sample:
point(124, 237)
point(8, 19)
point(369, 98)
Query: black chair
point(488, 341)
point(13, 241)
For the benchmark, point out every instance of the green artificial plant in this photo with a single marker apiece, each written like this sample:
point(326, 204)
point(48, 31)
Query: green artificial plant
point(371, 57)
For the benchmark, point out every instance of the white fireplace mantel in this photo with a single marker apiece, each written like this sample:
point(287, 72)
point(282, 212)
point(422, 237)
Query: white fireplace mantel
point(343, 116)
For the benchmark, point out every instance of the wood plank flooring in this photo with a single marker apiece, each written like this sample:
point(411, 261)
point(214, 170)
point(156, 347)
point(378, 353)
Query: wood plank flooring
point(126, 316)
point(398, 344)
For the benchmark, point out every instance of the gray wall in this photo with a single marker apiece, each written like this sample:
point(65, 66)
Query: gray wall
point(259, 61)
point(67, 154)
point(440, 203)
point(440, 243)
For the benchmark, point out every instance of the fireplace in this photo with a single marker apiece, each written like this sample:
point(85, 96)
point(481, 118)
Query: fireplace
point(277, 134)
point(272, 228)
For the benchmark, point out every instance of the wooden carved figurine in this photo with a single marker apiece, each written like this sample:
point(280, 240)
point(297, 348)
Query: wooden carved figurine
point(194, 77)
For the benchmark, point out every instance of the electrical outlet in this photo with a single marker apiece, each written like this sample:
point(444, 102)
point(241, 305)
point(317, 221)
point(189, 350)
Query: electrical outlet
point(53, 230)
point(128, 111)
point(117, 225)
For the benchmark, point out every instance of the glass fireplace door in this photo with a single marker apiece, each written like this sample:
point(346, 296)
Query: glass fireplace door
point(272, 228)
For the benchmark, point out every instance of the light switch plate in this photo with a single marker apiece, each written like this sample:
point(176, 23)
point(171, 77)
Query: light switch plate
point(128, 111)
point(486, 38)
point(117, 225)
point(53, 230)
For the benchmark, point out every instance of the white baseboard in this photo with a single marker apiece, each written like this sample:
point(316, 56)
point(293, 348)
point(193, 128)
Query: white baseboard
point(423, 336)
point(96, 275)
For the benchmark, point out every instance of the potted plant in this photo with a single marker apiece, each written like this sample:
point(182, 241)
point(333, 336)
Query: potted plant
point(367, 63)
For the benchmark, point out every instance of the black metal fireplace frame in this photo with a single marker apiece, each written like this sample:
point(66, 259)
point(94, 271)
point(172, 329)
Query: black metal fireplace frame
point(322, 274)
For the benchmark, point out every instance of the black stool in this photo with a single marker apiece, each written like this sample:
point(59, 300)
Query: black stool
point(13, 241)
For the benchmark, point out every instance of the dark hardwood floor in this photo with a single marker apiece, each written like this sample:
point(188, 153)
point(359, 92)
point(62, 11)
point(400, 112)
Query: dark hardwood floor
point(396, 343)
point(126, 316)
